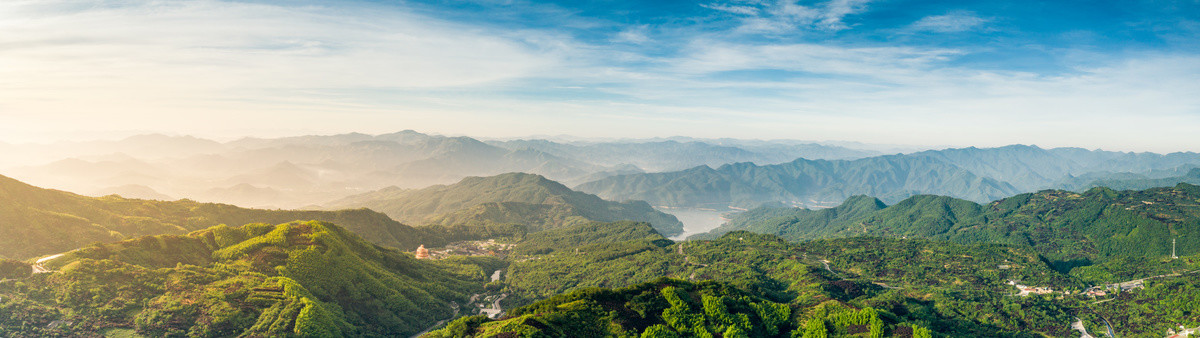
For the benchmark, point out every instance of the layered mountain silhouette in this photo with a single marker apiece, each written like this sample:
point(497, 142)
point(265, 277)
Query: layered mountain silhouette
point(531, 200)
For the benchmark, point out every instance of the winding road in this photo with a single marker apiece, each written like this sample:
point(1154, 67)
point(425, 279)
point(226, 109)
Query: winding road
point(39, 267)
point(493, 311)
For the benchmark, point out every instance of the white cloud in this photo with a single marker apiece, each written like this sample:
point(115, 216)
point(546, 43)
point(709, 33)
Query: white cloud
point(836, 10)
point(206, 64)
point(635, 34)
point(199, 48)
point(735, 9)
point(949, 23)
point(782, 16)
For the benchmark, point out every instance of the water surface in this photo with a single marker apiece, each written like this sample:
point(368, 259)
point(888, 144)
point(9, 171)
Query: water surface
point(696, 221)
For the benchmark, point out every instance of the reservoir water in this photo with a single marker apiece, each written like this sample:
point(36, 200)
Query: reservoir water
point(696, 221)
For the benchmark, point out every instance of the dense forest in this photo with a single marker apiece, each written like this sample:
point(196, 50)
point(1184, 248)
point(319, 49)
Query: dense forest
point(1070, 229)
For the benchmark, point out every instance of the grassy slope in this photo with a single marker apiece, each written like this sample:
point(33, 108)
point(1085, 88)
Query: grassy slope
point(302, 279)
point(36, 221)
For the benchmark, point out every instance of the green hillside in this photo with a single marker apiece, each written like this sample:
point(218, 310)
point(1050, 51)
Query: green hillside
point(303, 279)
point(1068, 228)
point(527, 199)
point(36, 221)
point(959, 290)
point(594, 233)
point(818, 223)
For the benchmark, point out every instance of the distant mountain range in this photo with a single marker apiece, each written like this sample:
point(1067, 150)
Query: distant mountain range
point(801, 182)
point(675, 155)
point(975, 174)
point(531, 200)
point(300, 171)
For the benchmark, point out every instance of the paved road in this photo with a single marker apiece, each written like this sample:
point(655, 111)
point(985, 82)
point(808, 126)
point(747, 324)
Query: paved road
point(38, 266)
point(495, 311)
point(453, 305)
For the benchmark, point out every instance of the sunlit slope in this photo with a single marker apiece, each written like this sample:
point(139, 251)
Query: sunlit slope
point(36, 221)
point(307, 279)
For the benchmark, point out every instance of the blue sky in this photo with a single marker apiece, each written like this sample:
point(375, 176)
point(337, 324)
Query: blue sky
point(1098, 74)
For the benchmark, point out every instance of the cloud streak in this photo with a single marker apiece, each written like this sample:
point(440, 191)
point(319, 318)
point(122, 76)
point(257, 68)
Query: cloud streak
point(949, 23)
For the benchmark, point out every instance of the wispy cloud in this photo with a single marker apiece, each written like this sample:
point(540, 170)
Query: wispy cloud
point(959, 21)
point(735, 9)
point(789, 15)
point(636, 34)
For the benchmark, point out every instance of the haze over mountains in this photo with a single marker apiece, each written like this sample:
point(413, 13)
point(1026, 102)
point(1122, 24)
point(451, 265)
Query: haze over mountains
point(308, 170)
point(313, 170)
point(980, 175)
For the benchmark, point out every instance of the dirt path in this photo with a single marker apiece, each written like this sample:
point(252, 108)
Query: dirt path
point(826, 263)
point(1078, 326)
point(687, 260)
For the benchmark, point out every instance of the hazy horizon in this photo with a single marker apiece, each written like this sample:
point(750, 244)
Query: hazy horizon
point(883, 148)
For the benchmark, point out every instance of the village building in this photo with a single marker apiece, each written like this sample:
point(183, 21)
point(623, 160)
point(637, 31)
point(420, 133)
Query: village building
point(422, 252)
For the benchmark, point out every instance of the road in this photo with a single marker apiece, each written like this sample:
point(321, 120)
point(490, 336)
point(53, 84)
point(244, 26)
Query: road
point(687, 260)
point(1078, 326)
point(38, 266)
point(495, 311)
point(495, 308)
point(826, 263)
point(454, 306)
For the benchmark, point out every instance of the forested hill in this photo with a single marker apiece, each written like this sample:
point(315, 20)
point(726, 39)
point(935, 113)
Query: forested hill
point(300, 279)
point(36, 221)
point(958, 290)
point(807, 182)
point(1066, 227)
point(528, 199)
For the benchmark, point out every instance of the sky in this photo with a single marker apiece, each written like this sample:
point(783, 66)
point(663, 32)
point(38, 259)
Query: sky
point(1116, 75)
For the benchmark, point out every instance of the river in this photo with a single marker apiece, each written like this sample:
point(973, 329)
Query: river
point(696, 221)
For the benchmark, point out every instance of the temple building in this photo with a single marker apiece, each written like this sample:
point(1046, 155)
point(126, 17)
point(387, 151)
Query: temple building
point(422, 252)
